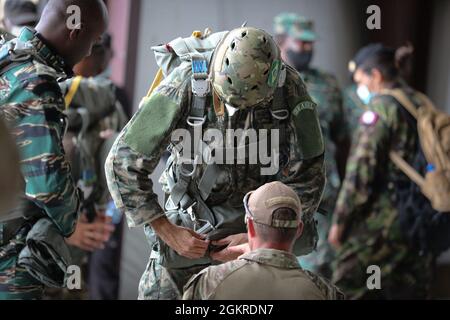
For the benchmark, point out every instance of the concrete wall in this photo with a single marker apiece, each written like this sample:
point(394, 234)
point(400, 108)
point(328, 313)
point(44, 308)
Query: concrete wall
point(162, 21)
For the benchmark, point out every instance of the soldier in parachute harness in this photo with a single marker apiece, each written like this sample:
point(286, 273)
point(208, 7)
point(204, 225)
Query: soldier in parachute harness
point(95, 117)
point(221, 81)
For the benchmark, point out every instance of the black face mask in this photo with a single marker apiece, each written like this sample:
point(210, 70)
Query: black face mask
point(300, 60)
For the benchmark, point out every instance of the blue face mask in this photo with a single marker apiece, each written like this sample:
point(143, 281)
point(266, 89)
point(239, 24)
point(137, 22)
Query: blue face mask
point(364, 94)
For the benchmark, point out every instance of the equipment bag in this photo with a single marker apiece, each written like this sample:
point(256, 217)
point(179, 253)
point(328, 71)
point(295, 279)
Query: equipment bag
point(423, 199)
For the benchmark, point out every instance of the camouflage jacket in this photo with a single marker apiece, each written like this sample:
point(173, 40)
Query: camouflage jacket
point(32, 104)
point(353, 108)
point(93, 111)
point(366, 202)
point(263, 274)
point(366, 207)
point(324, 90)
point(141, 144)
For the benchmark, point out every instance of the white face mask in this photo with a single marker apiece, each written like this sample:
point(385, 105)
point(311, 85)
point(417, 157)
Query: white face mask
point(364, 94)
point(15, 31)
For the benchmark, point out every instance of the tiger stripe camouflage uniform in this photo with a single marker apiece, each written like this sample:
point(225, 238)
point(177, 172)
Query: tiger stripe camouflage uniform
point(128, 169)
point(32, 103)
point(367, 213)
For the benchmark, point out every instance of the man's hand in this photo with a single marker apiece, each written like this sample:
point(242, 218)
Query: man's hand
point(236, 245)
point(184, 241)
point(91, 236)
point(335, 235)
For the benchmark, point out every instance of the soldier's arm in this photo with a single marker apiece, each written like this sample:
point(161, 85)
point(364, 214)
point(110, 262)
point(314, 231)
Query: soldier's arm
point(44, 165)
point(306, 172)
point(369, 150)
point(139, 148)
point(340, 132)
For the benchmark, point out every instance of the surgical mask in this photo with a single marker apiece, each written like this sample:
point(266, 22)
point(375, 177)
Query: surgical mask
point(15, 31)
point(300, 60)
point(364, 94)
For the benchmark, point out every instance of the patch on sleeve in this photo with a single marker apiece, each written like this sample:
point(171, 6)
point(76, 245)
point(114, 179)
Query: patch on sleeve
point(369, 118)
point(308, 131)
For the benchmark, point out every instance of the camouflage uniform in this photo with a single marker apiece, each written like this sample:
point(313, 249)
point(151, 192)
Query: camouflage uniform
point(263, 274)
point(93, 110)
point(32, 103)
point(353, 108)
point(141, 144)
point(324, 90)
point(97, 96)
point(366, 209)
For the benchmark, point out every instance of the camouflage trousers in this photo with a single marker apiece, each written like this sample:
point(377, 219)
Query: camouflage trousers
point(16, 283)
point(319, 261)
point(404, 274)
point(160, 283)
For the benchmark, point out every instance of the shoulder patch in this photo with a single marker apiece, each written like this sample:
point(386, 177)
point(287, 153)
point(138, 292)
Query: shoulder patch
point(369, 118)
point(308, 130)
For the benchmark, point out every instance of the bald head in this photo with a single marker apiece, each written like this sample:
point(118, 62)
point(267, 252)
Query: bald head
point(72, 27)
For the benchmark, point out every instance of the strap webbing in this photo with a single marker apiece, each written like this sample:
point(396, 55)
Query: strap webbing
point(72, 91)
point(406, 168)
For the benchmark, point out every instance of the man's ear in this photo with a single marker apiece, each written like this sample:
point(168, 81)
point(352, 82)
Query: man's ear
point(300, 228)
point(251, 229)
point(75, 33)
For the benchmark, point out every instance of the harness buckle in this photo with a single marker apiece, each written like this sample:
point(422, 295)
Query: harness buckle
point(280, 114)
point(206, 228)
point(200, 86)
point(186, 172)
point(196, 121)
point(191, 213)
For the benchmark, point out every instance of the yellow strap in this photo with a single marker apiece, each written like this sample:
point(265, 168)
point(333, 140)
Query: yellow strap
point(156, 82)
point(197, 34)
point(72, 91)
point(219, 107)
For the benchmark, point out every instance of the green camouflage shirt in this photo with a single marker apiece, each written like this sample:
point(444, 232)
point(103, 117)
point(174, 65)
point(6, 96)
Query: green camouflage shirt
point(366, 206)
point(31, 102)
point(353, 108)
point(324, 90)
point(141, 144)
point(263, 274)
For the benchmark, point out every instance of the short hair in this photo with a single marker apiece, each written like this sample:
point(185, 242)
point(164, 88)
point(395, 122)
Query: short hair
point(277, 235)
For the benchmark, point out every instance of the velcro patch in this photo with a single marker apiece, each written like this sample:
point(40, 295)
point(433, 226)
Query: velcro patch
point(369, 118)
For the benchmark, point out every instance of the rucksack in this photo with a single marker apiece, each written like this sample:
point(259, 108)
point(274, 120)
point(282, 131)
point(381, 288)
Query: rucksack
point(423, 200)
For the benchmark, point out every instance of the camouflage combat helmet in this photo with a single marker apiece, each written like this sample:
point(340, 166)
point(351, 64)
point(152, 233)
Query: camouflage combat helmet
point(246, 68)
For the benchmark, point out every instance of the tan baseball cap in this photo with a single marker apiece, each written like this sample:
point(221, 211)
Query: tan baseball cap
point(261, 204)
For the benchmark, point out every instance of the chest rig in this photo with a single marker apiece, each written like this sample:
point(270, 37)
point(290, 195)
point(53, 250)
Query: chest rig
point(191, 180)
